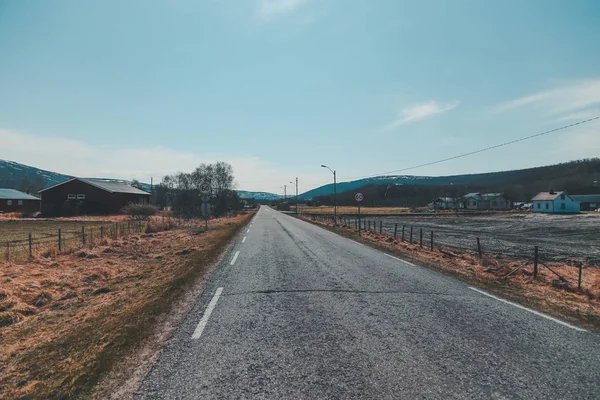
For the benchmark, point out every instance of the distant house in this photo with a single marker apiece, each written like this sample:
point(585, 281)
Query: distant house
point(89, 196)
point(554, 202)
point(443, 203)
point(12, 200)
point(486, 201)
point(587, 202)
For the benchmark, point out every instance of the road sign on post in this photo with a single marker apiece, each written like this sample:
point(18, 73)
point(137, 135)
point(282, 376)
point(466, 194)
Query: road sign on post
point(359, 197)
point(205, 187)
point(205, 195)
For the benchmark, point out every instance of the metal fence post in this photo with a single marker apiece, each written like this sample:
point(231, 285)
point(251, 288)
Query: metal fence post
point(116, 230)
point(59, 240)
point(479, 249)
point(535, 262)
point(30, 246)
point(83, 234)
point(431, 247)
point(403, 233)
point(101, 232)
point(395, 230)
point(380, 226)
point(421, 238)
point(579, 279)
point(411, 231)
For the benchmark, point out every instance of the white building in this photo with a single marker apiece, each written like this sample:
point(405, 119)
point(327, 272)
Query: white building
point(554, 202)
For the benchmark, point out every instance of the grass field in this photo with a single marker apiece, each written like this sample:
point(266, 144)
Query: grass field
point(14, 234)
point(12, 230)
point(66, 319)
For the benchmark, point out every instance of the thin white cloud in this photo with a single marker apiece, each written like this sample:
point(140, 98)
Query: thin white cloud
point(421, 111)
point(573, 98)
point(78, 158)
point(269, 9)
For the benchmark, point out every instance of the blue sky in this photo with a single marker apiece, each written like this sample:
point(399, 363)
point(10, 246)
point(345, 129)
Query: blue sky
point(133, 89)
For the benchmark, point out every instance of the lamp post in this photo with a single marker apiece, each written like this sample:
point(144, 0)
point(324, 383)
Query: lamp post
point(334, 194)
point(296, 194)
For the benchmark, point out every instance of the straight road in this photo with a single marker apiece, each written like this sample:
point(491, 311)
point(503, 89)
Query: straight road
point(297, 312)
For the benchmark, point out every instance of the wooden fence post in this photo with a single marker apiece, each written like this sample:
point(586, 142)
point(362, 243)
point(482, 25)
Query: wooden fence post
point(59, 240)
point(479, 249)
point(411, 231)
point(421, 238)
point(431, 247)
point(579, 279)
point(380, 226)
point(403, 233)
point(83, 234)
point(30, 246)
point(395, 230)
point(535, 262)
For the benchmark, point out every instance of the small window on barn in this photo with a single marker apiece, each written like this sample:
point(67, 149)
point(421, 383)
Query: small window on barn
point(9, 202)
point(539, 205)
point(547, 206)
point(562, 206)
point(20, 202)
point(562, 196)
point(81, 196)
point(70, 196)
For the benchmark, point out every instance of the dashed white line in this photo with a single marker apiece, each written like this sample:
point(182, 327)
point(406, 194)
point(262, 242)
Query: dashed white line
point(206, 316)
point(244, 239)
point(237, 253)
point(558, 321)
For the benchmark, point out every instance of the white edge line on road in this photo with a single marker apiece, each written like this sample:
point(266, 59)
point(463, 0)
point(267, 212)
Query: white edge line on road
point(237, 253)
point(360, 244)
point(244, 239)
point(558, 321)
point(399, 259)
point(206, 316)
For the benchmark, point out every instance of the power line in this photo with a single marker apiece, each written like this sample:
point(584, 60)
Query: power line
point(476, 151)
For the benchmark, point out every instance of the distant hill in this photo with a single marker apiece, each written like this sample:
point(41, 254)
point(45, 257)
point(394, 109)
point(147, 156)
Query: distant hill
point(549, 175)
point(576, 177)
point(25, 178)
point(257, 195)
point(14, 175)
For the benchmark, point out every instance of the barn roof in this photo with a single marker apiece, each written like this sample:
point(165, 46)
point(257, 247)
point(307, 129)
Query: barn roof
point(547, 196)
point(12, 194)
point(109, 186)
point(482, 196)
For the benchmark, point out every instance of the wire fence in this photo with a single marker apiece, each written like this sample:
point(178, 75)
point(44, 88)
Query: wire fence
point(66, 240)
point(563, 247)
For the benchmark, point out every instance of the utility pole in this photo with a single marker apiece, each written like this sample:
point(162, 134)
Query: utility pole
point(334, 193)
point(296, 194)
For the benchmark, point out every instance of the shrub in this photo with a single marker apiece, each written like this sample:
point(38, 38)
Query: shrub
point(140, 211)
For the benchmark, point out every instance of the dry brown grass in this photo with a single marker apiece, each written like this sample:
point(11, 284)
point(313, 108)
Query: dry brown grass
point(68, 318)
point(546, 293)
point(352, 210)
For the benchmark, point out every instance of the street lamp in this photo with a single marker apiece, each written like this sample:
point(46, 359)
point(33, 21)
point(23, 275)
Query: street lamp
point(296, 193)
point(334, 194)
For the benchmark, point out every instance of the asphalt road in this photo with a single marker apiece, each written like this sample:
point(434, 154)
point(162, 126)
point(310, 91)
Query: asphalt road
point(306, 314)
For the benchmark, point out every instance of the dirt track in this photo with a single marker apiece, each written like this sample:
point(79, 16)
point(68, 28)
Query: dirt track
point(564, 238)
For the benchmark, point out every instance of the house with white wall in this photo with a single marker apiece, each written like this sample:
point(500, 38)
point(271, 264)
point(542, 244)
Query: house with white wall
point(486, 201)
point(555, 203)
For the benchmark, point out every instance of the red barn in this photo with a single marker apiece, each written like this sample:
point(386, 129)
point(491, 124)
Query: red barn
point(89, 196)
point(12, 200)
